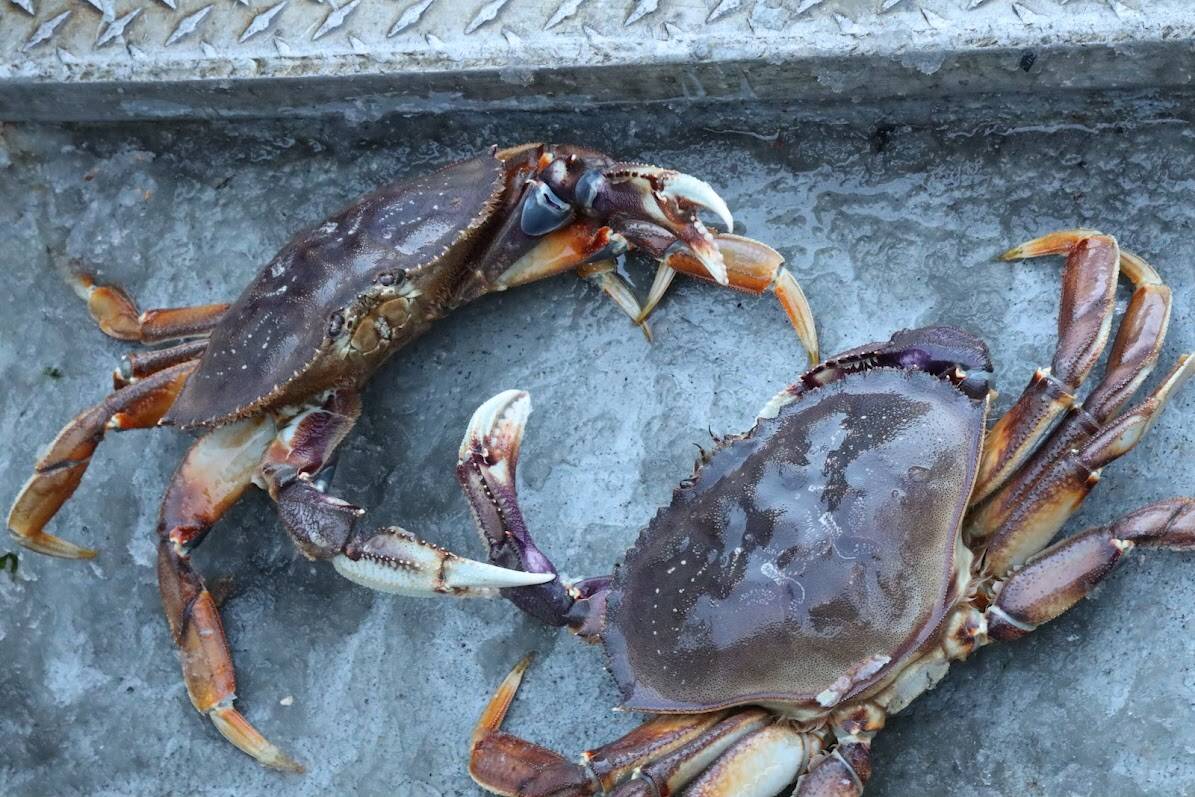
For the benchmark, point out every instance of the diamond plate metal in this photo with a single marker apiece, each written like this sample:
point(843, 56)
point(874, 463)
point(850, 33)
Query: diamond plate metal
point(110, 59)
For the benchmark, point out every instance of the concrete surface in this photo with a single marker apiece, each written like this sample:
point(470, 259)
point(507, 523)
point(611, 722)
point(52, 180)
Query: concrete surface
point(887, 224)
point(122, 59)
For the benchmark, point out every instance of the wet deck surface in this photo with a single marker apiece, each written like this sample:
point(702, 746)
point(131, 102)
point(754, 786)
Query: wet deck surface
point(886, 226)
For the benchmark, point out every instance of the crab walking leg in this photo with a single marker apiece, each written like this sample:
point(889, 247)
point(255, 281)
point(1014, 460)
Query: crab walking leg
point(1060, 576)
point(392, 560)
point(213, 475)
point(670, 773)
point(60, 469)
point(751, 267)
point(843, 772)
point(1043, 508)
point(137, 366)
point(603, 275)
point(117, 315)
point(759, 765)
point(1084, 322)
point(1133, 357)
point(505, 764)
point(717, 754)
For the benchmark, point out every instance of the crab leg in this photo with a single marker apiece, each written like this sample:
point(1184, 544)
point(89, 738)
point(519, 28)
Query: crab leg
point(751, 267)
point(759, 765)
point(392, 560)
point(1028, 519)
point(842, 772)
point(603, 274)
point(489, 456)
point(1060, 576)
point(117, 315)
point(507, 765)
point(716, 754)
point(210, 479)
point(138, 365)
point(1133, 357)
point(59, 470)
point(1084, 322)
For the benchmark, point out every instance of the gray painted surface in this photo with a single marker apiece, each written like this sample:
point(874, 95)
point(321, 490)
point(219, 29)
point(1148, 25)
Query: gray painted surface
point(121, 59)
point(885, 226)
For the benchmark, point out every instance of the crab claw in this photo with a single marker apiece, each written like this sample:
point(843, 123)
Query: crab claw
point(394, 560)
point(670, 199)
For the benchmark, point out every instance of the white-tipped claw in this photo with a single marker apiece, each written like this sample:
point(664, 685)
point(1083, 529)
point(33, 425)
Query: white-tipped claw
point(687, 188)
point(396, 561)
point(496, 429)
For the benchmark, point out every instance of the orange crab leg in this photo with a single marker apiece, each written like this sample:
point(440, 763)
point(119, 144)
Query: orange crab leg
point(117, 315)
point(507, 765)
point(213, 475)
point(716, 754)
point(1060, 576)
point(751, 267)
point(58, 472)
point(1084, 322)
point(1026, 519)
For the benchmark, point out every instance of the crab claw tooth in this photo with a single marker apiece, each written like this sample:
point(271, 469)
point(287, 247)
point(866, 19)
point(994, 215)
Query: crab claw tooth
point(396, 561)
point(685, 188)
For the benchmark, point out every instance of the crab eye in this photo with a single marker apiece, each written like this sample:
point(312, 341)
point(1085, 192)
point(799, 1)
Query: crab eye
point(389, 278)
point(335, 324)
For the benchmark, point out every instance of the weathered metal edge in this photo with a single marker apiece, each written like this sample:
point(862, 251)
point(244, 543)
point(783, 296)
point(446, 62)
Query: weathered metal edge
point(593, 59)
point(1000, 70)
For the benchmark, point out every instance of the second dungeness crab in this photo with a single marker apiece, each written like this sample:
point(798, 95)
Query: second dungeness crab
point(273, 380)
point(821, 571)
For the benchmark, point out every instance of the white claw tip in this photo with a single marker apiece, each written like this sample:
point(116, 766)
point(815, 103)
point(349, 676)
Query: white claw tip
point(499, 420)
point(700, 193)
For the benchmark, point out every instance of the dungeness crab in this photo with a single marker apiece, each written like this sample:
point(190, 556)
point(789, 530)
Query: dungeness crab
point(821, 571)
point(274, 378)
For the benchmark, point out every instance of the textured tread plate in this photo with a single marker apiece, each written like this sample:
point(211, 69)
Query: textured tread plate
point(111, 59)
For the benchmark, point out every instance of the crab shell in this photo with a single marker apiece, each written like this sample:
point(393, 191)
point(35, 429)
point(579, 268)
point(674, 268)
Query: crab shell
point(282, 340)
point(809, 560)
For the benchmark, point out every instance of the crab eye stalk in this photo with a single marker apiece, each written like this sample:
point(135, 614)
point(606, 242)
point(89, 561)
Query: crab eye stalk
point(391, 278)
point(543, 211)
point(335, 324)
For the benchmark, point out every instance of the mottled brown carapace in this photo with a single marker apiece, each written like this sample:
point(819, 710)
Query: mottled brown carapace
point(820, 544)
point(268, 338)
